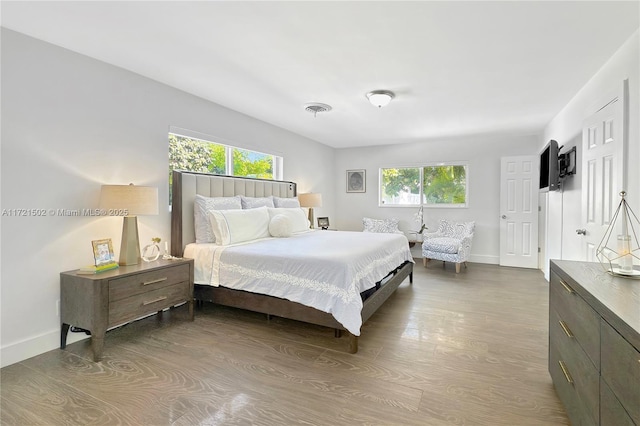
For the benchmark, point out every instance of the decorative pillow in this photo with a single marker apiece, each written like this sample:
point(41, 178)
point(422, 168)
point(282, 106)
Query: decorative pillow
point(381, 225)
point(456, 230)
point(286, 202)
point(255, 202)
point(280, 226)
point(237, 226)
point(296, 217)
point(465, 228)
point(201, 206)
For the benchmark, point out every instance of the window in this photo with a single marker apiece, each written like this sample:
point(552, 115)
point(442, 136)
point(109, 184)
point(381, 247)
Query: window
point(441, 185)
point(400, 186)
point(252, 164)
point(197, 155)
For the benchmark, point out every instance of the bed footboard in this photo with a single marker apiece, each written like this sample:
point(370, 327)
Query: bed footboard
point(270, 305)
point(376, 300)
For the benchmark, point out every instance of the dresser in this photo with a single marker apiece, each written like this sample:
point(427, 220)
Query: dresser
point(594, 343)
point(101, 301)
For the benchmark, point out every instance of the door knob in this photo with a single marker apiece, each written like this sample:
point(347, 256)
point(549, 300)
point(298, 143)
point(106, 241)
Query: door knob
point(504, 216)
point(581, 231)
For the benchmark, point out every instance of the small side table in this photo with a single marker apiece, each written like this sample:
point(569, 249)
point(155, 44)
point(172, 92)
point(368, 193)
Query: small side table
point(414, 242)
point(101, 301)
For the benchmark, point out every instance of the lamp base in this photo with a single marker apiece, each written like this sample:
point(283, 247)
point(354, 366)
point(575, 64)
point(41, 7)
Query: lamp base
point(311, 217)
point(130, 245)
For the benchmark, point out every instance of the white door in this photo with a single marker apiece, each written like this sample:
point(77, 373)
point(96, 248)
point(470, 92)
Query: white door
point(519, 211)
point(603, 171)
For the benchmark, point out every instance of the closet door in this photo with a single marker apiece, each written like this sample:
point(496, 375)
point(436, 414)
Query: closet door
point(519, 211)
point(603, 172)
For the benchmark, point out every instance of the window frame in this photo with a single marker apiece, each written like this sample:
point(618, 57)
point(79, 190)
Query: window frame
point(421, 167)
point(277, 161)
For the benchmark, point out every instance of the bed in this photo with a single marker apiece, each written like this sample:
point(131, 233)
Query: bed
point(240, 275)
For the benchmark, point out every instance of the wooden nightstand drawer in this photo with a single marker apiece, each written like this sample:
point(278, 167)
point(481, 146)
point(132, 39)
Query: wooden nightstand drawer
point(136, 306)
point(121, 288)
point(621, 370)
point(574, 375)
point(577, 316)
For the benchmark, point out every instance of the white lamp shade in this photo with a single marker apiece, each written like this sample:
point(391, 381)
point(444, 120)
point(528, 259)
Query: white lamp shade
point(136, 200)
point(380, 98)
point(310, 199)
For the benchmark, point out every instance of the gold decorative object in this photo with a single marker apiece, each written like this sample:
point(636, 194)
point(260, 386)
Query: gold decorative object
point(151, 251)
point(619, 255)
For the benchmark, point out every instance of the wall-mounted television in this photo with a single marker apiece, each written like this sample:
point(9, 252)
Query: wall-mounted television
point(554, 166)
point(549, 167)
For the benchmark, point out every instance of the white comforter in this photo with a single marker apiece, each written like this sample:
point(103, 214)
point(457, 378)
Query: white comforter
point(326, 270)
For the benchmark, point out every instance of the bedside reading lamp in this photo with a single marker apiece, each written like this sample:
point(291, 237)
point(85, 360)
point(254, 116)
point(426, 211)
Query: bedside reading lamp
point(134, 200)
point(311, 200)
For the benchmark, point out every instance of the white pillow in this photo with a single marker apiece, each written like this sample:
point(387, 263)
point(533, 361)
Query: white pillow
point(296, 216)
point(381, 225)
point(201, 207)
point(255, 202)
point(286, 202)
point(237, 226)
point(280, 226)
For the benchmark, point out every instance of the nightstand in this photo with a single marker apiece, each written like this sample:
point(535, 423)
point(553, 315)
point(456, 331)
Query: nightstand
point(108, 299)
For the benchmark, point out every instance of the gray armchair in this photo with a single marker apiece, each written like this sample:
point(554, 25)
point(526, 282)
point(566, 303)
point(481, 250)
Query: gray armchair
point(451, 243)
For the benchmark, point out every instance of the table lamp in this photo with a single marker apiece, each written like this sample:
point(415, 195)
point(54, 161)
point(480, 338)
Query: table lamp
point(311, 200)
point(132, 201)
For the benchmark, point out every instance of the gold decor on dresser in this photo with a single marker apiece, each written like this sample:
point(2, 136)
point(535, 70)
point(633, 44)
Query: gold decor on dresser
point(619, 254)
point(151, 252)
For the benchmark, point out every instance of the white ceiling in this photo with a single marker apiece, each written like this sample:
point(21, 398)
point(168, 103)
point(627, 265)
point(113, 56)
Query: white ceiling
point(457, 68)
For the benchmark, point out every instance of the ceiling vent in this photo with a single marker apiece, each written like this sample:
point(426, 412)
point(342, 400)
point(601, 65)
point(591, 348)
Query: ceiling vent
point(316, 107)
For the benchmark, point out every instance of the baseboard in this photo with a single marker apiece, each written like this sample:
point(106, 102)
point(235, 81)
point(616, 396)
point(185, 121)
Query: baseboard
point(27, 348)
point(482, 258)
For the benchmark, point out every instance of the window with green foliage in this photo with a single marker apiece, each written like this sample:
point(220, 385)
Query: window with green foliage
point(441, 185)
point(197, 155)
point(252, 164)
point(400, 186)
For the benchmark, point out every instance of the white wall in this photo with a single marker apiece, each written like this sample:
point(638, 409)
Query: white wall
point(564, 207)
point(482, 153)
point(70, 124)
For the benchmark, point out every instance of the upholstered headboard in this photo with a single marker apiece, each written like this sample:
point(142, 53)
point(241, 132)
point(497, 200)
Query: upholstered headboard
point(186, 185)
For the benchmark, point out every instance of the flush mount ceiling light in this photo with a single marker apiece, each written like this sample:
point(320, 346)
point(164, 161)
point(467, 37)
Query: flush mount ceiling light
point(316, 107)
point(380, 98)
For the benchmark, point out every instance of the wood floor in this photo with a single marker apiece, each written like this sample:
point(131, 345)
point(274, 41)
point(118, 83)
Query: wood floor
point(451, 349)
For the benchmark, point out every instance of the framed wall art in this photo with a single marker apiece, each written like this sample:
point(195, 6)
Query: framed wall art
point(356, 181)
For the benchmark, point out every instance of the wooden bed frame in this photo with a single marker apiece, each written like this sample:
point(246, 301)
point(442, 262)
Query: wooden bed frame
point(185, 186)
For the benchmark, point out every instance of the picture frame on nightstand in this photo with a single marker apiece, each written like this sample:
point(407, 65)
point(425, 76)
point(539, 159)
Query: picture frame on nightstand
point(323, 222)
point(103, 253)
